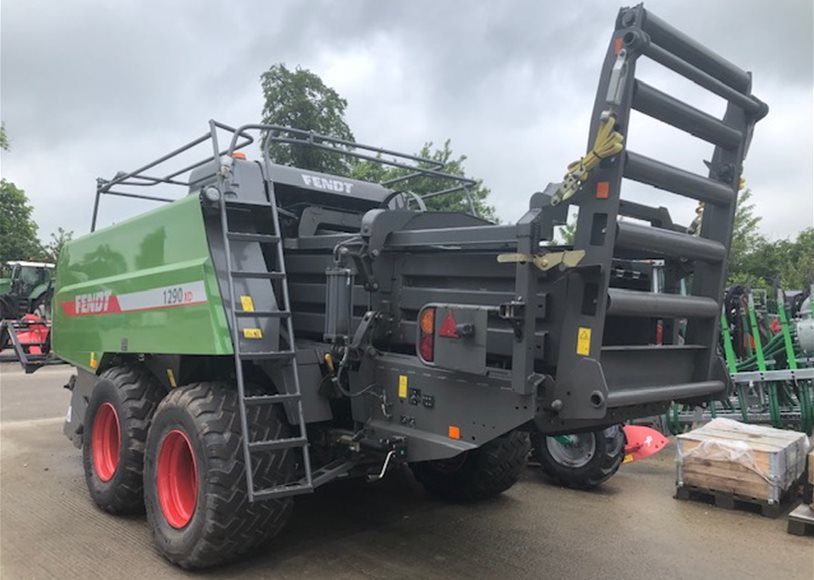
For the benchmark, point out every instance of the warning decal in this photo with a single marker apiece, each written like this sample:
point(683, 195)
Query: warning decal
point(105, 302)
point(584, 341)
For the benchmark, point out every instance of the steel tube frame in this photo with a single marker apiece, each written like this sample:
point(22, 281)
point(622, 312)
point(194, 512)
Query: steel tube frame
point(664, 176)
point(646, 304)
point(664, 242)
point(676, 42)
point(639, 396)
point(661, 106)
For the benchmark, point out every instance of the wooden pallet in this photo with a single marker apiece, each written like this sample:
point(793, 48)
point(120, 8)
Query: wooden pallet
point(734, 501)
point(801, 521)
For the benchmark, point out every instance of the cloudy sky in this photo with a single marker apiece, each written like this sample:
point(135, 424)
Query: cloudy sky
point(90, 87)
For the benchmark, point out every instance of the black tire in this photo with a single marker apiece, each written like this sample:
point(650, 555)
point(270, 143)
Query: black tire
point(597, 465)
point(478, 474)
point(222, 524)
point(134, 395)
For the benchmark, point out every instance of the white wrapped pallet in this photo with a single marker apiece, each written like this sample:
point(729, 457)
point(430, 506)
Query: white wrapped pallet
point(751, 461)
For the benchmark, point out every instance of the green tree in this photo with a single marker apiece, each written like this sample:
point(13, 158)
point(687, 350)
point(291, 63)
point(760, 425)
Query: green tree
point(58, 241)
point(797, 271)
point(19, 239)
point(457, 201)
point(746, 237)
point(298, 98)
point(567, 233)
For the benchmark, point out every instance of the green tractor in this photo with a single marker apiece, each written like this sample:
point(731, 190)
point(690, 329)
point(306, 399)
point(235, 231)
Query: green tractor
point(25, 288)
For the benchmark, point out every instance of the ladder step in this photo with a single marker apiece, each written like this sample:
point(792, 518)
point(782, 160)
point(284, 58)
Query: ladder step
point(263, 313)
point(288, 443)
point(281, 491)
point(270, 399)
point(268, 355)
point(258, 275)
point(252, 237)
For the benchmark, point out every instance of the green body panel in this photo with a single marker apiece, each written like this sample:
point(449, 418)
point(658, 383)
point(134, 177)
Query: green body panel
point(135, 266)
point(5, 286)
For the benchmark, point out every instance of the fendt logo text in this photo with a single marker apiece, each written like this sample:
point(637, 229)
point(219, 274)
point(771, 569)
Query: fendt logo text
point(93, 303)
point(327, 184)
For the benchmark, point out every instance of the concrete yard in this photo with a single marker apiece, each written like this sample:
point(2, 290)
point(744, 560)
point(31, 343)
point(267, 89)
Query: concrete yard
point(631, 528)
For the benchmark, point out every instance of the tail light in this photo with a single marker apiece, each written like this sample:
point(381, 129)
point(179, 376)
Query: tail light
point(426, 334)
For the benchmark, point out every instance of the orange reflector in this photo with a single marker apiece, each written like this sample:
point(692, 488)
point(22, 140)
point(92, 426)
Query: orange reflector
point(454, 432)
point(239, 155)
point(428, 321)
point(617, 45)
point(602, 189)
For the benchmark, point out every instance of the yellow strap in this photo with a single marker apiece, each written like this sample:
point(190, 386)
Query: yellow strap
point(608, 143)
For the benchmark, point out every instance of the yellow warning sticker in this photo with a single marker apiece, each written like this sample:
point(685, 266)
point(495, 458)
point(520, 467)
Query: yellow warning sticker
point(628, 458)
point(252, 333)
point(584, 341)
point(171, 378)
point(402, 386)
point(247, 303)
point(93, 363)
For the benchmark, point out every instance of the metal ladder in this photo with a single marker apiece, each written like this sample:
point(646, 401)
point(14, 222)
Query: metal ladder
point(286, 353)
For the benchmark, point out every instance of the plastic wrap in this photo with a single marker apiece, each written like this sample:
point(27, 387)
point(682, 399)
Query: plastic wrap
point(775, 456)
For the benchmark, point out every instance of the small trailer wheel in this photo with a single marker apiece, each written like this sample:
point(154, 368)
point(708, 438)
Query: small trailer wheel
point(195, 479)
point(478, 474)
point(585, 461)
point(116, 421)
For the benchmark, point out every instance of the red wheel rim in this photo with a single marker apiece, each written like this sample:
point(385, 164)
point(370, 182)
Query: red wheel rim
point(177, 479)
point(105, 442)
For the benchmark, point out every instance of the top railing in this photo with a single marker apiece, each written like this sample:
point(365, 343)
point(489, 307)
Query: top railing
point(241, 137)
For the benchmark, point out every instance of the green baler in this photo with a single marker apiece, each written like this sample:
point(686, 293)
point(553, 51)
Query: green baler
point(275, 329)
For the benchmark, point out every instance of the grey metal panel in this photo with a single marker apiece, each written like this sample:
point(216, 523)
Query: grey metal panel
point(315, 407)
point(659, 241)
point(679, 392)
point(415, 298)
point(462, 352)
point(312, 243)
point(474, 235)
point(453, 265)
point(314, 293)
point(482, 407)
point(649, 365)
point(680, 115)
point(651, 172)
point(83, 386)
point(323, 182)
point(633, 303)
point(313, 218)
point(246, 185)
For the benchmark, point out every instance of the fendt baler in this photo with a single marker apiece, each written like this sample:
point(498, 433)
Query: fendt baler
point(277, 328)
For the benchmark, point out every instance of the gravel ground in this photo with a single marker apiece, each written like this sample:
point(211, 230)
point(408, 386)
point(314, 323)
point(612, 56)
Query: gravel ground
point(631, 528)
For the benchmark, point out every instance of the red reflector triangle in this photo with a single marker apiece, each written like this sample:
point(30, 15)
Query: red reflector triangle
point(448, 327)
